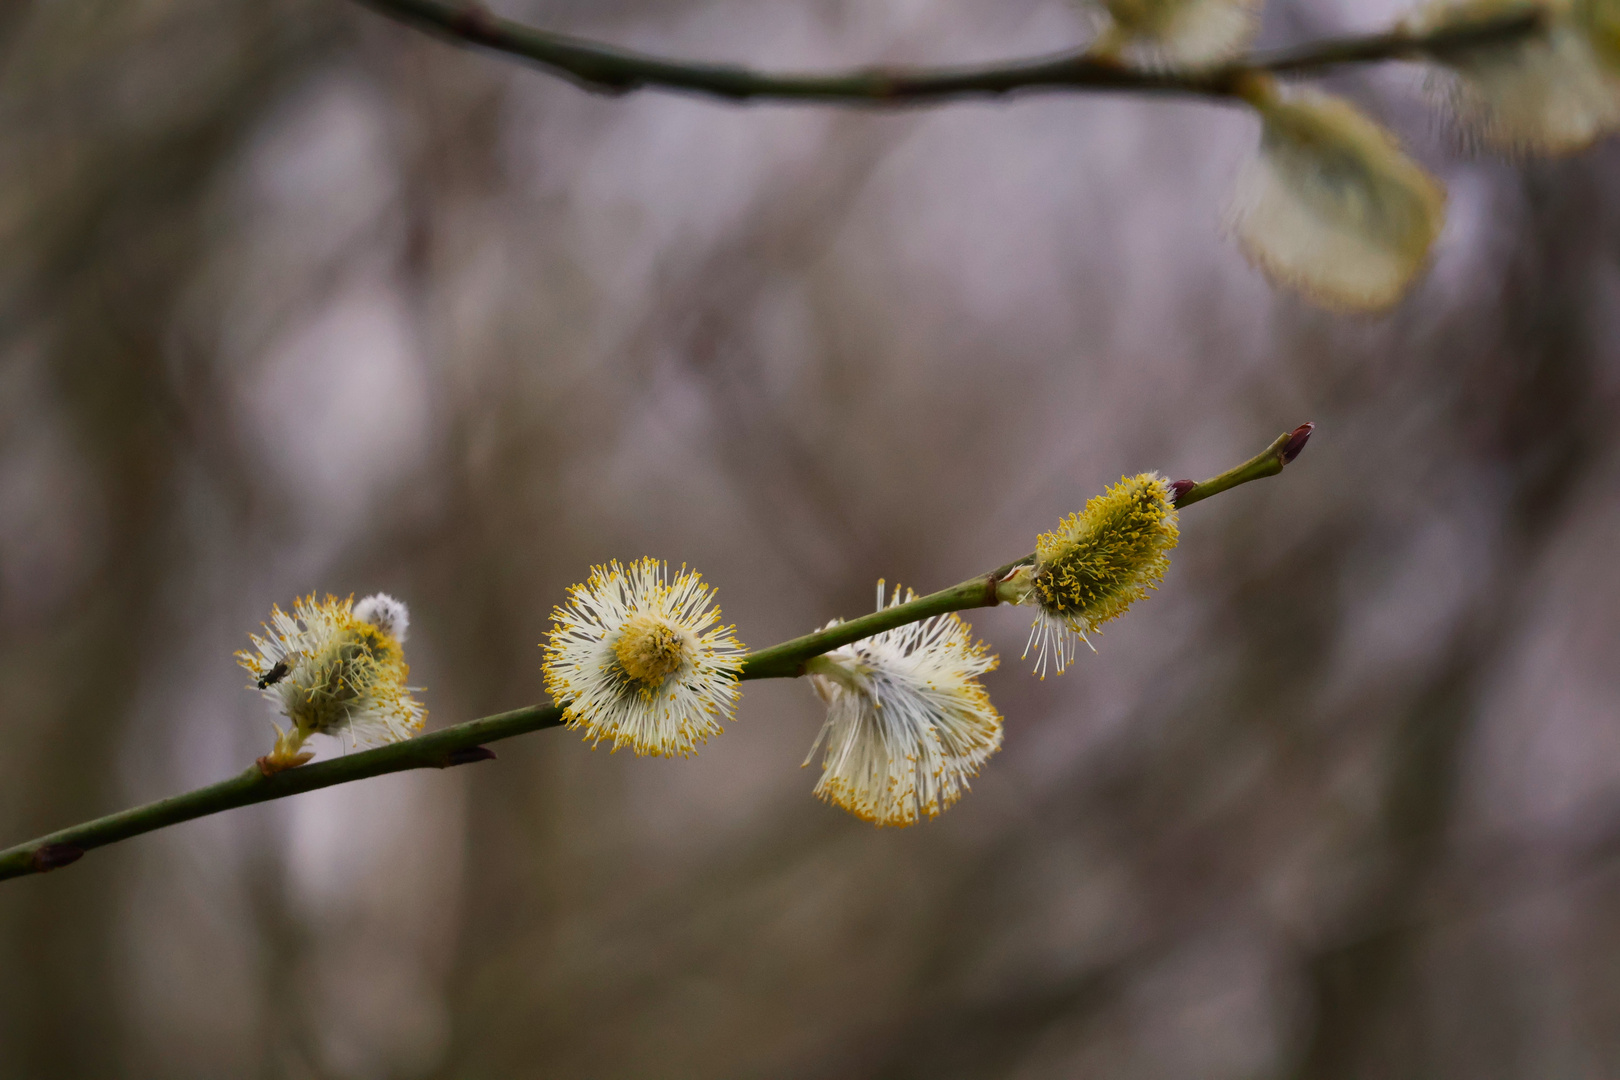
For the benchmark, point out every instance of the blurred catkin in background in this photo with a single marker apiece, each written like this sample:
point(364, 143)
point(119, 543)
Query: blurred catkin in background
point(293, 298)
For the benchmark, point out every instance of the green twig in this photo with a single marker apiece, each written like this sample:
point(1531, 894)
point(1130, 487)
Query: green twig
point(607, 69)
point(458, 745)
point(1269, 462)
point(465, 743)
point(786, 661)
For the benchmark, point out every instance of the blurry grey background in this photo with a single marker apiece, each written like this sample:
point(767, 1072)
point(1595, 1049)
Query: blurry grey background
point(295, 299)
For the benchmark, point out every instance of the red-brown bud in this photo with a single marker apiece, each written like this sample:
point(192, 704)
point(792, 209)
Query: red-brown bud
point(1296, 442)
point(55, 856)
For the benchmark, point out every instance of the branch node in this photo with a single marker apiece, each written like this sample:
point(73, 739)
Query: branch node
point(608, 85)
point(54, 856)
point(270, 764)
point(474, 22)
point(468, 755)
point(992, 588)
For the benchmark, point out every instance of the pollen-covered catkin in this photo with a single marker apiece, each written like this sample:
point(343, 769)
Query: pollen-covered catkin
point(641, 661)
point(908, 722)
point(1098, 562)
point(334, 667)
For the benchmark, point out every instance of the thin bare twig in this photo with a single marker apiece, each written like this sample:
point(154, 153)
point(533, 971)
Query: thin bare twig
point(607, 69)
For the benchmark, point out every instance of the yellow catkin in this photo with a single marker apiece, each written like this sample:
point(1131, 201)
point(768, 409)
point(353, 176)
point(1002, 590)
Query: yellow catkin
point(639, 659)
point(908, 722)
point(334, 668)
point(649, 649)
point(357, 663)
point(1100, 561)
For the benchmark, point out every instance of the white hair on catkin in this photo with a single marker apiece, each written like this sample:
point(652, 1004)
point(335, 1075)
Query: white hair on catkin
point(1552, 92)
point(1179, 33)
point(1332, 207)
point(386, 614)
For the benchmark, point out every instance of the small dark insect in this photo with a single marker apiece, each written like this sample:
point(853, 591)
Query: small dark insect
point(274, 675)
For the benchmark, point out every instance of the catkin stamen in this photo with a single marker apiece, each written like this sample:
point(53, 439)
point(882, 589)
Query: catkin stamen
point(650, 650)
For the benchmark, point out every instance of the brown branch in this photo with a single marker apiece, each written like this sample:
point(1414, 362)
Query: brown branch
point(607, 69)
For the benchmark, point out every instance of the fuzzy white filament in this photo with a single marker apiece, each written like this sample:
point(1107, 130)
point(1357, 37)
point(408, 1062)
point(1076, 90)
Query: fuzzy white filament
point(1178, 33)
point(908, 722)
point(333, 667)
point(1053, 641)
point(1331, 206)
point(639, 660)
point(1550, 92)
point(386, 614)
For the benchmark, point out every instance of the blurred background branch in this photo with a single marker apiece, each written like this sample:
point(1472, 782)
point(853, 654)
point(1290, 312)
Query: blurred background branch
point(606, 69)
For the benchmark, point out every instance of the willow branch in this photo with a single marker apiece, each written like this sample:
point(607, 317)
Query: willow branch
point(463, 744)
point(458, 745)
point(606, 69)
point(787, 659)
point(1268, 462)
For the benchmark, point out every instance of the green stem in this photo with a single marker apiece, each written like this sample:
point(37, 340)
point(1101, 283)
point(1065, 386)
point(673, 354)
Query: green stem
point(613, 70)
point(458, 745)
point(464, 743)
point(1268, 462)
point(786, 661)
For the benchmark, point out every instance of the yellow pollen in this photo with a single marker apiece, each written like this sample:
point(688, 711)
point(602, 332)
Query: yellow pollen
point(649, 649)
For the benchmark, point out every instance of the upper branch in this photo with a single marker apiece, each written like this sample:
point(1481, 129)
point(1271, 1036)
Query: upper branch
point(606, 69)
